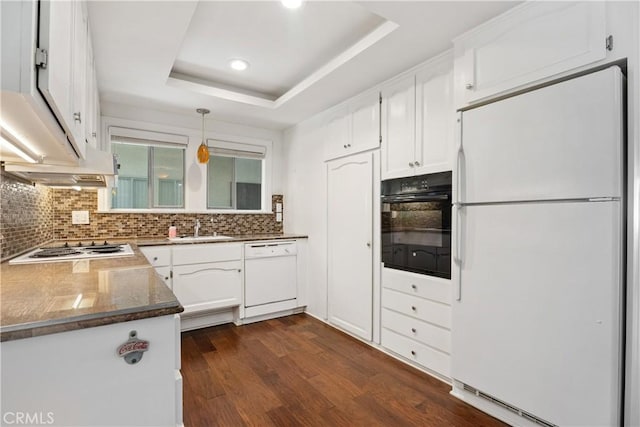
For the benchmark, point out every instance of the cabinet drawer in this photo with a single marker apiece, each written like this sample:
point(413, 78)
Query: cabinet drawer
point(433, 288)
point(158, 256)
point(418, 330)
point(210, 252)
point(419, 308)
point(416, 352)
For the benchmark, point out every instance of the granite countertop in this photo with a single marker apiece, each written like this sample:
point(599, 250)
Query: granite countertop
point(154, 241)
point(38, 299)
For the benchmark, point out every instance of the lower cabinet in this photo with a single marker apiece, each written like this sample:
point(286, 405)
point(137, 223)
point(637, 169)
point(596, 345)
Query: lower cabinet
point(208, 286)
point(76, 378)
point(416, 319)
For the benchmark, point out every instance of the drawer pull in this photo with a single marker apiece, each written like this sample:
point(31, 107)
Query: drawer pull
point(413, 352)
point(414, 330)
point(413, 308)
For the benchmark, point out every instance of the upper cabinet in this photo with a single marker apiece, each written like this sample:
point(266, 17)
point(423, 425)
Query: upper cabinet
point(49, 91)
point(527, 44)
point(418, 121)
point(353, 127)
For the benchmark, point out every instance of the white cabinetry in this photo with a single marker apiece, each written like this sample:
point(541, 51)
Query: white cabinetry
point(416, 319)
point(418, 121)
point(76, 378)
point(49, 94)
point(526, 44)
point(350, 212)
point(353, 127)
point(160, 258)
point(207, 276)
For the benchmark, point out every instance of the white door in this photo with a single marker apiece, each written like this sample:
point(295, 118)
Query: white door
point(350, 210)
point(435, 127)
point(398, 128)
point(560, 142)
point(365, 123)
point(56, 30)
point(538, 321)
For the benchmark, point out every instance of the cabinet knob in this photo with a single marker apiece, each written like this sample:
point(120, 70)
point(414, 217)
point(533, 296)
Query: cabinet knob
point(77, 117)
point(348, 145)
point(413, 352)
point(469, 86)
point(416, 163)
point(368, 244)
point(345, 145)
point(155, 258)
point(413, 308)
point(414, 287)
point(410, 164)
point(413, 330)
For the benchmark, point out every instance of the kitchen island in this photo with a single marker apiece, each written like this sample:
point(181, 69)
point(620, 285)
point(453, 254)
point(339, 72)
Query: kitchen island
point(91, 342)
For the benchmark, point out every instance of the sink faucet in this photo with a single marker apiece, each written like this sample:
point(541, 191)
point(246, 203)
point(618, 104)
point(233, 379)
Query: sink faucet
point(196, 228)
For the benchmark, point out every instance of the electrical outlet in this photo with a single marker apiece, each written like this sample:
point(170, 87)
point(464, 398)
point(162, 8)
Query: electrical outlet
point(279, 217)
point(79, 217)
point(278, 207)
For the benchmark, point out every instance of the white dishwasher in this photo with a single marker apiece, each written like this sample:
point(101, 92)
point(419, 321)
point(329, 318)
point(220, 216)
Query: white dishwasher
point(270, 273)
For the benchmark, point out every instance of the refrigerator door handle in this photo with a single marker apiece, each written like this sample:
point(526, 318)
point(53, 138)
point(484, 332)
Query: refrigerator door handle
point(457, 256)
point(459, 155)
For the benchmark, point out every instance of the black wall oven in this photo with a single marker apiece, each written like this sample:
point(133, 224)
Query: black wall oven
point(416, 224)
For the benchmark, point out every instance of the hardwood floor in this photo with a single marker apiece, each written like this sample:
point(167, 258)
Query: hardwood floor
point(297, 371)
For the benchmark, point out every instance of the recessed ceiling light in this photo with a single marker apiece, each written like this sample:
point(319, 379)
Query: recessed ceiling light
point(291, 4)
point(239, 64)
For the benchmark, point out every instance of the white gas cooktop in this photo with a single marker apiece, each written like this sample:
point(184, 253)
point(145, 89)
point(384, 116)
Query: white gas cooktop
point(73, 252)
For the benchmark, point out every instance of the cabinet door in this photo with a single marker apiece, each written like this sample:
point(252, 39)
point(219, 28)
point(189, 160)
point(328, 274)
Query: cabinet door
point(207, 286)
point(165, 275)
point(398, 128)
point(535, 41)
point(350, 287)
point(91, 99)
point(79, 75)
point(435, 128)
point(337, 137)
point(365, 123)
point(56, 30)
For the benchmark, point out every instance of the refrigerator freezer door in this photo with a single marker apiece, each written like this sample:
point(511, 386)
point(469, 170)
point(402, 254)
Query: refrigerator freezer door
point(563, 141)
point(538, 322)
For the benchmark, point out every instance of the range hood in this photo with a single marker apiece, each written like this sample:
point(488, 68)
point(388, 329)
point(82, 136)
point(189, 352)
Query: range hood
point(92, 171)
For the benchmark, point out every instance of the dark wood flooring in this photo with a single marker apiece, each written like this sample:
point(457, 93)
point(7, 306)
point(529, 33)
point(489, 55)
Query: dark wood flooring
point(297, 371)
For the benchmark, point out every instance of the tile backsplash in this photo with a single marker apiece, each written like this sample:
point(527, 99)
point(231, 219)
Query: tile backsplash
point(107, 225)
point(32, 215)
point(26, 215)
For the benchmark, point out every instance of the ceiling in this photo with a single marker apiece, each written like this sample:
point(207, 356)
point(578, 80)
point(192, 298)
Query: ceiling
point(174, 55)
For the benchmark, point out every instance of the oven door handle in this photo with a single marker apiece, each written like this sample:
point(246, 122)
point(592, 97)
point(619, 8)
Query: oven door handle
point(457, 256)
point(415, 198)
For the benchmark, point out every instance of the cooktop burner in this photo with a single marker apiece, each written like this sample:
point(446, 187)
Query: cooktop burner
point(74, 252)
point(54, 252)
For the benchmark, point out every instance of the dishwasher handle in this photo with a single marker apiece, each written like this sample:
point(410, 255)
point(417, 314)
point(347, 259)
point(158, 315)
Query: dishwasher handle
point(268, 250)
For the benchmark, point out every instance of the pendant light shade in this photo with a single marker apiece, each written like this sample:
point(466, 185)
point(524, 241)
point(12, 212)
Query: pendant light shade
point(203, 150)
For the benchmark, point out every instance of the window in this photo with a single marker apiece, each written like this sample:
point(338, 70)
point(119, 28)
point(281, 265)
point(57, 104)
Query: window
point(151, 174)
point(235, 176)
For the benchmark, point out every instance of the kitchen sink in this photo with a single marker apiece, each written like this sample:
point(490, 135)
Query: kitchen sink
point(190, 239)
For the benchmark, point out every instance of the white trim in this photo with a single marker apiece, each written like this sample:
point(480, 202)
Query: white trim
point(146, 135)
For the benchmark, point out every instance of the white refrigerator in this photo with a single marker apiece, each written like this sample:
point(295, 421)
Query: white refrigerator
point(539, 254)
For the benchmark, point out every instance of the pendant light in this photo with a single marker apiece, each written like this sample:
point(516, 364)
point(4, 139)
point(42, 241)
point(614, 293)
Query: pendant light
point(203, 150)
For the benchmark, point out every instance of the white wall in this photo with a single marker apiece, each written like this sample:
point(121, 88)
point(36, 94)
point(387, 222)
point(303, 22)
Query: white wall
point(305, 204)
point(190, 125)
